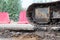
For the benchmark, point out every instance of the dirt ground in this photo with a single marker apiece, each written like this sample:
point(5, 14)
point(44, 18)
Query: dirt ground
point(28, 37)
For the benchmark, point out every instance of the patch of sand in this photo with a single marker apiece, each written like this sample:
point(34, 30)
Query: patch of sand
point(28, 37)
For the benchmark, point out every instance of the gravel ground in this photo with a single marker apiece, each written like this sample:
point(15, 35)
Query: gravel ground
point(24, 37)
point(7, 35)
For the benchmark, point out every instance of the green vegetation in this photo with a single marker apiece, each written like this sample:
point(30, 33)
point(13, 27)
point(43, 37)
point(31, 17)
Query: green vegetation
point(13, 7)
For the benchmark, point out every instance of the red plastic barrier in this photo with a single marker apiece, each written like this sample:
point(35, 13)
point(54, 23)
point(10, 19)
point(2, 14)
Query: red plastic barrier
point(23, 18)
point(4, 18)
